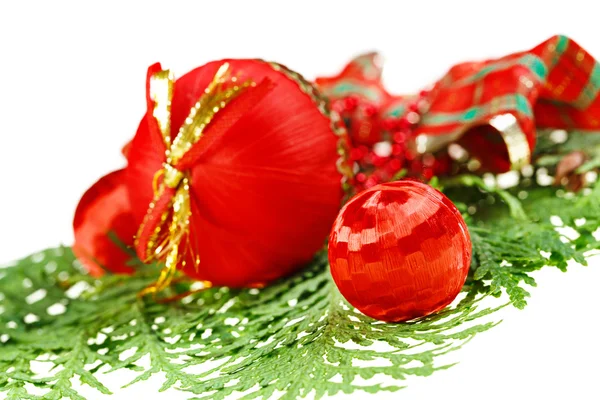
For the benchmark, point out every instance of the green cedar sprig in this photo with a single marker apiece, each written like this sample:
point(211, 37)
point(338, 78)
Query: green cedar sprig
point(297, 336)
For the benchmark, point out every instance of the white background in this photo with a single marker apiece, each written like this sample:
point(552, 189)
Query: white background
point(72, 93)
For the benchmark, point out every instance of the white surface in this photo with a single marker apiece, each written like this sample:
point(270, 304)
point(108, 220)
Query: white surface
point(72, 92)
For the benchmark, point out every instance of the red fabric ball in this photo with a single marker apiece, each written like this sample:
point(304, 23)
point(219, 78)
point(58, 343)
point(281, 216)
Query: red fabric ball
point(263, 194)
point(104, 209)
point(399, 251)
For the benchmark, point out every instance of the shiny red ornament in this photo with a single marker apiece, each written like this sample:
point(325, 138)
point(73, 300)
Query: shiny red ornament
point(399, 251)
point(263, 183)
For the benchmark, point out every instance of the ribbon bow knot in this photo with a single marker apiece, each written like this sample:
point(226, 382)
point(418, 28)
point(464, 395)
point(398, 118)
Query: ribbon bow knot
point(172, 177)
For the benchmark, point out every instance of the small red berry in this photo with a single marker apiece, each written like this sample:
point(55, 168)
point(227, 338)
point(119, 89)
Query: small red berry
point(399, 137)
point(356, 154)
point(397, 149)
point(370, 110)
point(350, 103)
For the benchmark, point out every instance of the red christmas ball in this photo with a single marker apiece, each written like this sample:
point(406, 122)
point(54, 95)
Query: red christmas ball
point(267, 182)
point(399, 251)
point(261, 182)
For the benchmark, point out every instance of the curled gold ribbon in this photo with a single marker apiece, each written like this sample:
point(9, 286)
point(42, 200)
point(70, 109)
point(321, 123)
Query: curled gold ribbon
point(173, 229)
point(507, 126)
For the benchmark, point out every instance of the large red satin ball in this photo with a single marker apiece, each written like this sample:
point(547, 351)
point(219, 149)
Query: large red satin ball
point(399, 251)
point(264, 195)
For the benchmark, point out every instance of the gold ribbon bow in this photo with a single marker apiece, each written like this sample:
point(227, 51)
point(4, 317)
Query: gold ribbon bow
point(173, 228)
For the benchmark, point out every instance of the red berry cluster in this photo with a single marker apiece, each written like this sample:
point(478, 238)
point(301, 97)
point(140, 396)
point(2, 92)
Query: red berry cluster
point(380, 145)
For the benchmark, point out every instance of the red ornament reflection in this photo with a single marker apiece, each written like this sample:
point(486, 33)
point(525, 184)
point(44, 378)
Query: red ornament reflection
point(399, 251)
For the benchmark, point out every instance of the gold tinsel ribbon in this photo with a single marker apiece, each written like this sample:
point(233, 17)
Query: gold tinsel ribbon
point(169, 240)
point(506, 125)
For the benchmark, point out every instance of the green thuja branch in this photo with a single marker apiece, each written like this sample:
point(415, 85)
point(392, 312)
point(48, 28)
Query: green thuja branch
point(294, 338)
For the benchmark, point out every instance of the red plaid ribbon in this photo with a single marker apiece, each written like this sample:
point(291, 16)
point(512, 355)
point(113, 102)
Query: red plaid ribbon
point(493, 107)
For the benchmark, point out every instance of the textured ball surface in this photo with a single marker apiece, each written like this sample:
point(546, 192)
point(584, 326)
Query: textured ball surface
point(399, 251)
